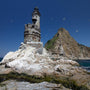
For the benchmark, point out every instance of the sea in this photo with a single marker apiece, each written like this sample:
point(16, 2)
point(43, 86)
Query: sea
point(1, 59)
point(83, 63)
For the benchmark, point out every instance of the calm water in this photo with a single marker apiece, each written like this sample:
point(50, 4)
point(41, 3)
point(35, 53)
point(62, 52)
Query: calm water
point(1, 59)
point(84, 64)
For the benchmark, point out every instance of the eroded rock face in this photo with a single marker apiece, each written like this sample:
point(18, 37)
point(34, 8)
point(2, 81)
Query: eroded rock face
point(72, 49)
point(29, 61)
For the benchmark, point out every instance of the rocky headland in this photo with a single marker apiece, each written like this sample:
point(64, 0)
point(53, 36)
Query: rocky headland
point(71, 49)
point(28, 65)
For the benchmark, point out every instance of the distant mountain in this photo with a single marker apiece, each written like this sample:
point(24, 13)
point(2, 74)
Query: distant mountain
point(70, 48)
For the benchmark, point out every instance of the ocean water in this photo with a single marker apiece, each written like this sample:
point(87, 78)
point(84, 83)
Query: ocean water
point(1, 59)
point(84, 64)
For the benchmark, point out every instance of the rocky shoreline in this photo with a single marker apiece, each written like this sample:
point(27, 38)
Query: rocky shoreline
point(15, 85)
point(84, 59)
point(28, 61)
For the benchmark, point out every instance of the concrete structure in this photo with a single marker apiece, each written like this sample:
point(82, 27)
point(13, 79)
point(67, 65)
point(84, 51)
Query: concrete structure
point(32, 31)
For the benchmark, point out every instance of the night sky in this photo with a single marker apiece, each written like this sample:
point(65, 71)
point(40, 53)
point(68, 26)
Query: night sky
point(73, 15)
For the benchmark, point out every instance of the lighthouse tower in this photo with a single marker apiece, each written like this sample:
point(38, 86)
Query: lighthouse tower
point(32, 31)
point(36, 18)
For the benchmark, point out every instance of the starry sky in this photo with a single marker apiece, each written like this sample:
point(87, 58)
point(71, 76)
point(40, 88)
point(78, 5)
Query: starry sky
point(73, 15)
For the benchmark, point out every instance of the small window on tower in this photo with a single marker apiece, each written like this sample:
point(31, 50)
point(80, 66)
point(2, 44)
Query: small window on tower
point(32, 26)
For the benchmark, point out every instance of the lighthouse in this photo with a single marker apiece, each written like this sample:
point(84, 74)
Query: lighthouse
point(32, 31)
point(36, 18)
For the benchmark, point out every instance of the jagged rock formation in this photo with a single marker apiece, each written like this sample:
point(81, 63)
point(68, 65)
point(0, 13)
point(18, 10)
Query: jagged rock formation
point(15, 85)
point(71, 49)
point(84, 51)
point(29, 61)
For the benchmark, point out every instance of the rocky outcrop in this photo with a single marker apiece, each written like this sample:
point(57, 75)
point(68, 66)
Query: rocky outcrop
point(72, 49)
point(28, 60)
point(15, 85)
point(84, 52)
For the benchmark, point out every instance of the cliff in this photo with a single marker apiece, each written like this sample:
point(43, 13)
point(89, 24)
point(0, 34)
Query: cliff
point(72, 49)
